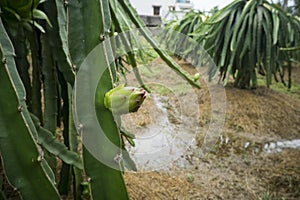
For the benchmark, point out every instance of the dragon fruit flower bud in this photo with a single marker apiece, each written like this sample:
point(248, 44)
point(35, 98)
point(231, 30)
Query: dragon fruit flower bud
point(122, 100)
point(196, 77)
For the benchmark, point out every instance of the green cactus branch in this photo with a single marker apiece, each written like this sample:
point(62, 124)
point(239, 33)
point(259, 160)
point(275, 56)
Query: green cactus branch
point(21, 159)
point(163, 54)
point(58, 38)
point(106, 183)
point(48, 141)
point(19, 43)
point(36, 103)
point(71, 141)
point(117, 10)
point(50, 86)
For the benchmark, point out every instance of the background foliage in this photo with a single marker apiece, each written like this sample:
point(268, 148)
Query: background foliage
point(245, 38)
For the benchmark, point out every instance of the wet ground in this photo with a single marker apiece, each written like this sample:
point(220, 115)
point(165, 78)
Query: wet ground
point(256, 156)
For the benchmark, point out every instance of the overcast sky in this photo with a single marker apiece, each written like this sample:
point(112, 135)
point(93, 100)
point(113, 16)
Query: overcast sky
point(206, 5)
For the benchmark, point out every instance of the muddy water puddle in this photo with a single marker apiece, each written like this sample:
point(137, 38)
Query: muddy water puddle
point(165, 142)
point(239, 146)
point(161, 142)
point(278, 146)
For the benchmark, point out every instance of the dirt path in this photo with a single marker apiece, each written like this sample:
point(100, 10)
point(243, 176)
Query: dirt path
point(244, 164)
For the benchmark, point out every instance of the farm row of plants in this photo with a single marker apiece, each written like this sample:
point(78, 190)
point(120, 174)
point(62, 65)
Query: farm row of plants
point(244, 38)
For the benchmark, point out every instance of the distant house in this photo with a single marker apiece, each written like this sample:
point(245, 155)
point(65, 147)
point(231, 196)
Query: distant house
point(152, 12)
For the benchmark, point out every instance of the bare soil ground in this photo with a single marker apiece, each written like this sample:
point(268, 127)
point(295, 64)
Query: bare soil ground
point(238, 168)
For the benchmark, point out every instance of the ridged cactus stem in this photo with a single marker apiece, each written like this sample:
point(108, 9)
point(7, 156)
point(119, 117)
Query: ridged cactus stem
point(24, 166)
point(71, 141)
point(49, 86)
point(84, 36)
point(36, 74)
point(48, 71)
point(19, 43)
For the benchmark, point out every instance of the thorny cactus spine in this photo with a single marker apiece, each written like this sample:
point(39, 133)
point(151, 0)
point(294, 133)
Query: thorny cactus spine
point(122, 100)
